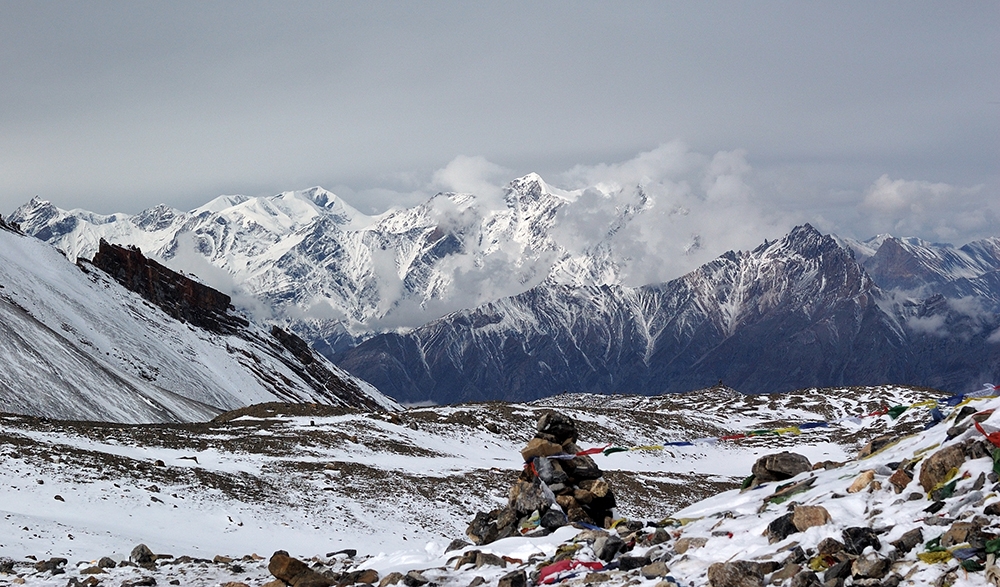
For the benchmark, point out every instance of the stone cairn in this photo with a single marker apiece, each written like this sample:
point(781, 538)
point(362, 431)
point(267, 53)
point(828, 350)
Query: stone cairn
point(556, 487)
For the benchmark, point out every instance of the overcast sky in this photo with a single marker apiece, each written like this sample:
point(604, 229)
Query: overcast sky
point(861, 117)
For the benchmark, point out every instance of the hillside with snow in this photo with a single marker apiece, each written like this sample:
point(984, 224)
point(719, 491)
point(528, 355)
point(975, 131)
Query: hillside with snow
point(354, 491)
point(78, 345)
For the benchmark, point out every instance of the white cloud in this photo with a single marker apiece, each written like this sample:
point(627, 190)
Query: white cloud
point(474, 175)
point(934, 211)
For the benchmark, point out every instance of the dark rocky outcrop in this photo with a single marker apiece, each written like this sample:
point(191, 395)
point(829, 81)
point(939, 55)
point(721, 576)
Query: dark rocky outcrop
point(181, 297)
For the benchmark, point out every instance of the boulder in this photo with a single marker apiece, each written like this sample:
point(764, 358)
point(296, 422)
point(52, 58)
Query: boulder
point(515, 579)
point(957, 534)
point(529, 496)
point(295, 572)
point(935, 468)
point(807, 516)
point(628, 563)
point(390, 579)
point(735, 574)
point(856, 539)
point(142, 555)
point(779, 466)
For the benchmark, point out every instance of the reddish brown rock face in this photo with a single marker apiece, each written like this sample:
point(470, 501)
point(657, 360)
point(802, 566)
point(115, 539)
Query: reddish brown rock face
point(179, 296)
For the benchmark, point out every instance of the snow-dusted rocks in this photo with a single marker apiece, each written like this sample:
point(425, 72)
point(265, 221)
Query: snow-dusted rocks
point(559, 484)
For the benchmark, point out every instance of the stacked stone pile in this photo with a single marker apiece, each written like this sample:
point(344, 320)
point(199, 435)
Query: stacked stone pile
point(558, 486)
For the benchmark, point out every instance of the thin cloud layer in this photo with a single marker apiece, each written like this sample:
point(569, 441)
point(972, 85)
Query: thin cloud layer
point(934, 211)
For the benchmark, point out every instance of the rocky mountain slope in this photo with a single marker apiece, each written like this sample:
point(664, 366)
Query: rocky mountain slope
point(385, 493)
point(799, 311)
point(77, 344)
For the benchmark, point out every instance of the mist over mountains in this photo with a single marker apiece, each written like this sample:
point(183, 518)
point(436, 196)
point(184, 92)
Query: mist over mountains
point(537, 291)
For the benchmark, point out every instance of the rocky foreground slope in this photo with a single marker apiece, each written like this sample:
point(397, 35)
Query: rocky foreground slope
point(360, 497)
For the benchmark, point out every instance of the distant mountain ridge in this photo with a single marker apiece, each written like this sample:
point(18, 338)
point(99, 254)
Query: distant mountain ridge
point(527, 313)
point(797, 312)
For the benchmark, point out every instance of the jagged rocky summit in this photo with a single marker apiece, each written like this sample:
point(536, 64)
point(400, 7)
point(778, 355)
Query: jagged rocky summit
point(560, 484)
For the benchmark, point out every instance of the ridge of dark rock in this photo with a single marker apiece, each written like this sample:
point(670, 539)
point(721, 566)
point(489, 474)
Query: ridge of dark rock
point(179, 296)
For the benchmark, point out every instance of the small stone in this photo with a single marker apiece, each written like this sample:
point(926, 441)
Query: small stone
point(235, 584)
point(654, 570)
point(59, 498)
point(222, 559)
point(596, 578)
point(539, 447)
point(735, 574)
point(477, 581)
point(908, 540)
point(861, 481)
point(807, 516)
point(786, 572)
point(456, 544)
point(107, 563)
point(486, 559)
point(685, 543)
point(870, 567)
point(415, 579)
point(957, 534)
point(515, 579)
point(628, 563)
point(780, 528)
point(390, 579)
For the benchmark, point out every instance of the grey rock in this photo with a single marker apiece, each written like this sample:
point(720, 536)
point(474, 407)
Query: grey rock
point(780, 528)
point(735, 574)
point(856, 539)
point(514, 579)
point(779, 466)
point(141, 554)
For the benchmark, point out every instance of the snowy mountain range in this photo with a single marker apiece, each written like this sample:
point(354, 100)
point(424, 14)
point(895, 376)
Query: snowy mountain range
point(797, 312)
point(535, 295)
point(79, 345)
